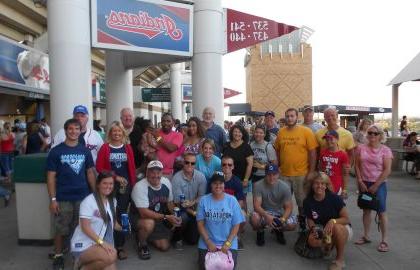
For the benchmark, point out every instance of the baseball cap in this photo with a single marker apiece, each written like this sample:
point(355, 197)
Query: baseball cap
point(80, 109)
point(155, 164)
point(271, 169)
point(331, 133)
point(217, 177)
point(307, 107)
point(267, 113)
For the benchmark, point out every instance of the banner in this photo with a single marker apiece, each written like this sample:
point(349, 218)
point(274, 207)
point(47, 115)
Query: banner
point(23, 65)
point(187, 93)
point(244, 30)
point(145, 26)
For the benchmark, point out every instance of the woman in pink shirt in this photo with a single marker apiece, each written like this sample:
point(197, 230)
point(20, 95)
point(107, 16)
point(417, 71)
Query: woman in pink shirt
point(373, 166)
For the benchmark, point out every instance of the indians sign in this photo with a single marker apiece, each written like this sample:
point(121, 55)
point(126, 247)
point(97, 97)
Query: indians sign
point(145, 26)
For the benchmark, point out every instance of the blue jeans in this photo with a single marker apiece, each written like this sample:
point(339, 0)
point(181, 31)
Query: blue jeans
point(4, 192)
point(6, 160)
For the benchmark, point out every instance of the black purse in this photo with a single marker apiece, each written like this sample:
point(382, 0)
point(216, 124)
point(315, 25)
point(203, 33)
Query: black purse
point(303, 249)
point(368, 200)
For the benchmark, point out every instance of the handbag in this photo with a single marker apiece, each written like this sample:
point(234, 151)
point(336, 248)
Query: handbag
point(302, 248)
point(219, 261)
point(368, 200)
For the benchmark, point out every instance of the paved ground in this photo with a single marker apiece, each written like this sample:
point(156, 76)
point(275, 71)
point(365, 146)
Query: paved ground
point(404, 220)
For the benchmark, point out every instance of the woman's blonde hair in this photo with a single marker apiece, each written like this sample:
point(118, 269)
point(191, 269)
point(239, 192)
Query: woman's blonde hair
point(120, 126)
point(210, 142)
point(363, 122)
point(325, 179)
point(380, 131)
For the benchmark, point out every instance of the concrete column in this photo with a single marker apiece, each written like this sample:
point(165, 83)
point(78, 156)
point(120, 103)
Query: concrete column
point(119, 86)
point(207, 59)
point(176, 99)
point(395, 109)
point(69, 59)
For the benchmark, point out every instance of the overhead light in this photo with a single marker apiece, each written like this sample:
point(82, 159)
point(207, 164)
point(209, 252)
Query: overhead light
point(40, 3)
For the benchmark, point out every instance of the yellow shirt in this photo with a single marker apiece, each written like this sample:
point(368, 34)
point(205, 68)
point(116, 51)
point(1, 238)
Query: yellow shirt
point(292, 146)
point(345, 139)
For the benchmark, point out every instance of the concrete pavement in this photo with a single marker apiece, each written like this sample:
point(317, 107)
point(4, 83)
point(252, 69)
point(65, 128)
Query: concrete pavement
point(404, 238)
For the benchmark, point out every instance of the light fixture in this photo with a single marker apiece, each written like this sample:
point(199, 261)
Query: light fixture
point(40, 3)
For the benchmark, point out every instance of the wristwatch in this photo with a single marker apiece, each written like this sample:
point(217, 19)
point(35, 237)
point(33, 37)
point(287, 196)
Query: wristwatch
point(100, 241)
point(164, 217)
point(53, 199)
point(228, 244)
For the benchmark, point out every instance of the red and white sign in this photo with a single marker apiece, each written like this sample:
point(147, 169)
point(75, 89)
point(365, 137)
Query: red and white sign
point(228, 93)
point(245, 30)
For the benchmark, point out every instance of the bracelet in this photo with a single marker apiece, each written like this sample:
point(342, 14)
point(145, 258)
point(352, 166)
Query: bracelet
point(99, 241)
point(334, 221)
point(164, 217)
point(283, 220)
point(53, 199)
point(158, 139)
point(228, 244)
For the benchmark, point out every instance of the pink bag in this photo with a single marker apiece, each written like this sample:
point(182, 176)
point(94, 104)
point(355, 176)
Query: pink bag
point(219, 261)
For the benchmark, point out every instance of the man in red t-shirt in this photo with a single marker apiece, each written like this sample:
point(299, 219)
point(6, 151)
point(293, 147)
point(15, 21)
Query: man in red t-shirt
point(335, 163)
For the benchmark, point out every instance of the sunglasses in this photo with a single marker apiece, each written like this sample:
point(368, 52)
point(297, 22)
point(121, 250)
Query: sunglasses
point(373, 133)
point(227, 164)
point(189, 163)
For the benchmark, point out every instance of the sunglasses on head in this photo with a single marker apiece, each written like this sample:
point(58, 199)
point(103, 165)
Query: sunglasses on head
point(189, 162)
point(373, 133)
point(227, 164)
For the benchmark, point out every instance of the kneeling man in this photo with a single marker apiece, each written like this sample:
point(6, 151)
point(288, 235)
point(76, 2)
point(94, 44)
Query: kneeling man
point(272, 206)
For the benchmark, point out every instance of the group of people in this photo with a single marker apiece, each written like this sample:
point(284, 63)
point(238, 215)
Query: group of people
point(171, 186)
point(19, 139)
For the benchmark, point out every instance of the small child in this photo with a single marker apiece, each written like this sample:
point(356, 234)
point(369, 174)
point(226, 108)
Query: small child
point(335, 163)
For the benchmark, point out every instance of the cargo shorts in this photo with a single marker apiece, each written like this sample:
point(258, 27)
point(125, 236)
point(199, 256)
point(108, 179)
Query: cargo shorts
point(68, 217)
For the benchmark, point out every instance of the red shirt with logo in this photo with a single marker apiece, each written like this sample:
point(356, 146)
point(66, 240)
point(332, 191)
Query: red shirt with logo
point(332, 163)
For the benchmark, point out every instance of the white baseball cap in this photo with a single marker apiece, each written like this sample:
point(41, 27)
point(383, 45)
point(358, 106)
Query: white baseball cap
point(155, 164)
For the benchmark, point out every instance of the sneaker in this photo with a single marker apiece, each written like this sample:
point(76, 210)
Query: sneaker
point(179, 245)
point(58, 262)
point(260, 238)
point(240, 244)
point(144, 253)
point(6, 200)
point(280, 237)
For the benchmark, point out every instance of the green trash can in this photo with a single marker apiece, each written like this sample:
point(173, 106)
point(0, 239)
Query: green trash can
point(35, 223)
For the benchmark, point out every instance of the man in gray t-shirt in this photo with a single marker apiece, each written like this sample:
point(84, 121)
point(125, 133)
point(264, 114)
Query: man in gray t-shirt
point(272, 206)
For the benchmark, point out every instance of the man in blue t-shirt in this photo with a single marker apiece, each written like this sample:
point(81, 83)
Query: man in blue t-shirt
point(70, 174)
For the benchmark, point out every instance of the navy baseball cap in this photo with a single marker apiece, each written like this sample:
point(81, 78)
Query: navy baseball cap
point(330, 134)
point(217, 177)
point(80, 109)
point(267, 113)
point(271, 169)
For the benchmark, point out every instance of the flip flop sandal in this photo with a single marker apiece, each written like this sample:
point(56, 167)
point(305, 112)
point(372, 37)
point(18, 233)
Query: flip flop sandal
point(362, 240)
point(121, 254)
point(383, 247)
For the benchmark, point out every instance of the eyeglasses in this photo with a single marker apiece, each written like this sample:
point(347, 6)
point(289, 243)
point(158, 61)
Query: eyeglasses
point(227, 164)
point(189, 162)
point(373, 133)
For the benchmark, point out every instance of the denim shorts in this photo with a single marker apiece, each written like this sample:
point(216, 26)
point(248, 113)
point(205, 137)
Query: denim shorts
point(381, 194)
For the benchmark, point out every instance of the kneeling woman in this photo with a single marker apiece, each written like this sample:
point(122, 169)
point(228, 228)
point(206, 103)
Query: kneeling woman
point(324, 209)
point(218, 218)
point(92, 243)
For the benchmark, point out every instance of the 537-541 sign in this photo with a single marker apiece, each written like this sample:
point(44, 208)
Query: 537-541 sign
point(244, 30)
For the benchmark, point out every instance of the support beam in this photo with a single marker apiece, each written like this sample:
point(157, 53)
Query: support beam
point(20, 21)
point(176, 101)
point(207, 59)
point(70, 64)
point(395, 109)
point(119, 86)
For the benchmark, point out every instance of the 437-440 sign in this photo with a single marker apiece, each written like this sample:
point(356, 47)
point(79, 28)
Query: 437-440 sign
point(244, 30)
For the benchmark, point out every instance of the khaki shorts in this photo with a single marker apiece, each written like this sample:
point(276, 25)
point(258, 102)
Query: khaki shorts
point(296, 184)
point(68, 217)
